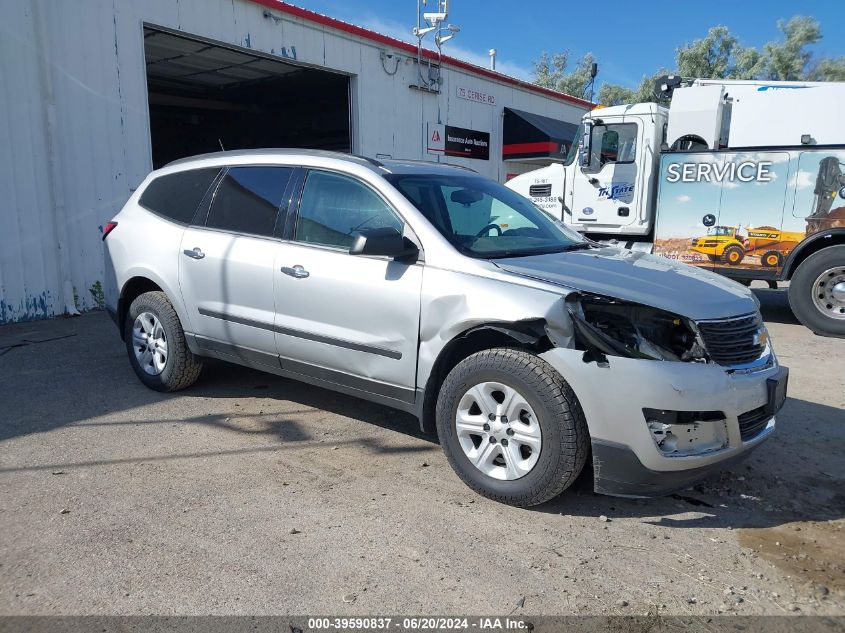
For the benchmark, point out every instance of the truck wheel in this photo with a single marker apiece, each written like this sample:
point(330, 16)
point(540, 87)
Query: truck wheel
point(817, 291)
point(511, 427)
point(156, 344)
point(772, 259)
point(733, 255)
point(713, 258)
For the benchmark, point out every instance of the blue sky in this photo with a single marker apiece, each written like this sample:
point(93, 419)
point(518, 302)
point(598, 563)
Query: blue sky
point(635, 38)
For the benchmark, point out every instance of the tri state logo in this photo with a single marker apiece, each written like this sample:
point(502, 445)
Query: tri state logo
point(616, 190)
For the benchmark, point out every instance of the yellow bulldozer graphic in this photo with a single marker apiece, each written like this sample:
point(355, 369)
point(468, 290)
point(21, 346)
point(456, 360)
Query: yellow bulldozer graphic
point(731, 244)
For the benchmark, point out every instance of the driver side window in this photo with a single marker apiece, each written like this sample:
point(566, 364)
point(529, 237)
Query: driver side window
point(333, 207)
point(614, 143)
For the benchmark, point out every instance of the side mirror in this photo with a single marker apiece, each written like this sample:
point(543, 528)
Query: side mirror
point(585, 146)
point(383, 242)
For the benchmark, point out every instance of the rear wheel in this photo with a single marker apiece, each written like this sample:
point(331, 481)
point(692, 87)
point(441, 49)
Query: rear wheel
point(817, 291)
point(156, 344)
point(733, 255)
point(511, 427)
point(772, 259)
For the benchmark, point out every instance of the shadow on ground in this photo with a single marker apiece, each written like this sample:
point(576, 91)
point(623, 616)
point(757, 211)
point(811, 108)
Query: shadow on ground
point(79, 373)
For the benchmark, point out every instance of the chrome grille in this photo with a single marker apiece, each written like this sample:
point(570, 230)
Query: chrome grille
point(752, 423)
point(540, 191)
point(734, 341)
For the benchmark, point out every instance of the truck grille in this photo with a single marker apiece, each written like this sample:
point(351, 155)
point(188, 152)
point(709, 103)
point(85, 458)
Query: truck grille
point(752, 423)
point(734, 341)
point(540, 191)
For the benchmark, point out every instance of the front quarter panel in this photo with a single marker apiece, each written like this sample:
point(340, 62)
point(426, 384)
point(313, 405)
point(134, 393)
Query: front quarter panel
point(454, 302)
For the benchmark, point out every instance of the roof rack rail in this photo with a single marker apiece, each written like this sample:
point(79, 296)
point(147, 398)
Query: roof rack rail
point(418, 161)
point(372, 161)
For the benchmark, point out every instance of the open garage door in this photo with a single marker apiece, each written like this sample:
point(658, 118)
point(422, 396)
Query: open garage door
point(204, 96)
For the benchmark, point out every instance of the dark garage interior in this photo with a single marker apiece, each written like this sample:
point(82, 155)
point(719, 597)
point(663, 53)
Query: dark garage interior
point(204, 96)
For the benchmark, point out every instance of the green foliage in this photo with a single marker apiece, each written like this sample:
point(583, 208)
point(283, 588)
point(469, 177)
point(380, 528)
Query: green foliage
point(788, 60)
point(552, 72)
point(717, 55)
point(96, 291)
point(828, 70)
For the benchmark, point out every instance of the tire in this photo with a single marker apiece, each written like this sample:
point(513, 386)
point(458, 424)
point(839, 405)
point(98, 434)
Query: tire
point(733, 255)
point(772, 259)
point(805, 294)
point(556, 411)
point(180, 367)
point(713, 258)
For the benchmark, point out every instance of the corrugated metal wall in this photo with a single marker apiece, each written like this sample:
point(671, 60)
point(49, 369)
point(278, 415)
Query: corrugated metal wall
point(74, 127)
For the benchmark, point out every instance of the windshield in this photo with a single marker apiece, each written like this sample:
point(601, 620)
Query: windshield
point(482, 218)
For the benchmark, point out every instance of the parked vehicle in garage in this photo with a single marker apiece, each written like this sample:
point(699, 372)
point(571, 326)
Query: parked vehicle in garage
point(433, 290)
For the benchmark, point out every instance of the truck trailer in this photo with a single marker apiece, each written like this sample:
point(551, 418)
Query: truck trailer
point(744, 178)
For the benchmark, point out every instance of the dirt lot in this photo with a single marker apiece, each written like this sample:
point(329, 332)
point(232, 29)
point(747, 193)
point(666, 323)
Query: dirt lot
point(250, 494)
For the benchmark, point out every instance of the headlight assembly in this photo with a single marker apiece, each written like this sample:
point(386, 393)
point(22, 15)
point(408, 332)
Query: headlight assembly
point(611, 327)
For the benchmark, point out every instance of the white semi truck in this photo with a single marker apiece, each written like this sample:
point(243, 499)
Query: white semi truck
point(742, 177)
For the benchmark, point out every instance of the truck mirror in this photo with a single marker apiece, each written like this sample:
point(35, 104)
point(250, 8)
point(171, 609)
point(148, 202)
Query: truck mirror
point(585, 146)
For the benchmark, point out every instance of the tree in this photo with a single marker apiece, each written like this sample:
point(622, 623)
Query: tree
point(788, 60)
point(613, 94)
point(718, 55)
point(711, 56)
point(828, 70)
point(551, 72)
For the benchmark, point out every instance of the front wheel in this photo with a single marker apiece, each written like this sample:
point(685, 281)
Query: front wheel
point(511, 427)
point(733, 255)
point(156, 344)
point(817, 291)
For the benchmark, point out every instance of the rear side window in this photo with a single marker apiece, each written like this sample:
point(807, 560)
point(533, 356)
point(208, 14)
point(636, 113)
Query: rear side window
point(177, 196)
point(248, 199)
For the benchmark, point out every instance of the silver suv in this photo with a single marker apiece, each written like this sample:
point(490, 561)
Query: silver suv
point(428, 288)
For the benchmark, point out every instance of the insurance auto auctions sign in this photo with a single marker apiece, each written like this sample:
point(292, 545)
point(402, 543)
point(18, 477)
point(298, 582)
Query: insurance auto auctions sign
point(458, 141)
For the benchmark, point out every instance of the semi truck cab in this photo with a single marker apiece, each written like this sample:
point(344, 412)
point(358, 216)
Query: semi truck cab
point(607, 183)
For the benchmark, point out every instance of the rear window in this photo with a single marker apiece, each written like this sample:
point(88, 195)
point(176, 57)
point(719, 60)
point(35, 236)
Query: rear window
point(177, 196)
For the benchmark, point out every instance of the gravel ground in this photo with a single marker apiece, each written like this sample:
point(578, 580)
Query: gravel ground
point(251, 494)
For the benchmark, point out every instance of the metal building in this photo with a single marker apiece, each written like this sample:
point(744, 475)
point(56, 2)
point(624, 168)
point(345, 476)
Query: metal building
point(95, 94)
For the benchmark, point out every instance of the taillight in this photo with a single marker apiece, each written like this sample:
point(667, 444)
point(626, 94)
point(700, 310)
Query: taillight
point(108, 228)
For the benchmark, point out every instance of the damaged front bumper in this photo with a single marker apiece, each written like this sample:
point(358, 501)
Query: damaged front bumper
point(658, 426)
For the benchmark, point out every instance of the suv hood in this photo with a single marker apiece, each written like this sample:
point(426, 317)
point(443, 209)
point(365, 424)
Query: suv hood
point(641, 278)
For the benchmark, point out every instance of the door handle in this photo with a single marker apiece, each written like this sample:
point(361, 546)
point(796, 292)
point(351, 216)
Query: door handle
point(194, 253)
point(295, 271)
